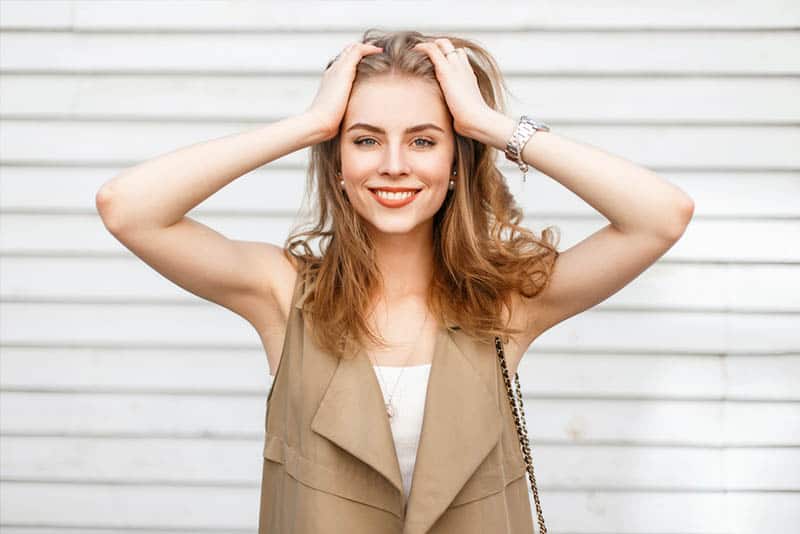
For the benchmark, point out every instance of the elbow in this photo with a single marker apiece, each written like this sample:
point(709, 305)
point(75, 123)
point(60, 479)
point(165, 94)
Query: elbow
point(103, 204)
point(682, 219)
point(101, 199)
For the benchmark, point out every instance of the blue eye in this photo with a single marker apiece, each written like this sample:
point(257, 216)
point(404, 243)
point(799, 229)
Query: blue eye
point(364, 139)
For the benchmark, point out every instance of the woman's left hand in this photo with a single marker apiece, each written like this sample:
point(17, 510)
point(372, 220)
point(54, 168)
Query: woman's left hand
point(459, 85)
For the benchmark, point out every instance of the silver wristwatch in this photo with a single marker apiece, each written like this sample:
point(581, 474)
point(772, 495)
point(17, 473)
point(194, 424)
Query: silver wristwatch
point(525, 129)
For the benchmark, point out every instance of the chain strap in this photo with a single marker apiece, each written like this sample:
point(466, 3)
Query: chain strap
point(522, 431)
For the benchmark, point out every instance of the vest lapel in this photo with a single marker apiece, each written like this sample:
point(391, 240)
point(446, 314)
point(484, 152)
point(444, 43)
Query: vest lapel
point(352, 415)
point(461, 425)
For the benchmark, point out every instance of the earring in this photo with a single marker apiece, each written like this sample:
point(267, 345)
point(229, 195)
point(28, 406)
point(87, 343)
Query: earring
point(341, 184)
point(452, 185)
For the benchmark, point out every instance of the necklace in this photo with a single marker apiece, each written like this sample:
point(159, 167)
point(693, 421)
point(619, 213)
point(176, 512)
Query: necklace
point(390, 408)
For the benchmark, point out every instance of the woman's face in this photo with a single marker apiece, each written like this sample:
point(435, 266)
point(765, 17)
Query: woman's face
point(377, 151)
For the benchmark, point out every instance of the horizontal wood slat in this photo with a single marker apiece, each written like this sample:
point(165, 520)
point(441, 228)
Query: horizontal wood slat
point(730, 195)
point(657, 422)
point(236, 463)
point(201, 508)
point(704, 240)
point(564, 99)
point(199, 15)
point(125, 324)
point(544, 373)
point(731, 287)
point(119, 144)
point(603, 53)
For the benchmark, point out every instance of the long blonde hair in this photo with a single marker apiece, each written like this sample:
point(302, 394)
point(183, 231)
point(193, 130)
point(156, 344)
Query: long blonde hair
point(482, 255)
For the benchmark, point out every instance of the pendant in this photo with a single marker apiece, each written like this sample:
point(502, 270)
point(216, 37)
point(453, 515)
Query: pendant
point(389, 409)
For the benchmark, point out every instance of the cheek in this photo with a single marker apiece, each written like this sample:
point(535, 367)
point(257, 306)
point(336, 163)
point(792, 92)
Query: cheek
point(355, 163)
point(437, 174)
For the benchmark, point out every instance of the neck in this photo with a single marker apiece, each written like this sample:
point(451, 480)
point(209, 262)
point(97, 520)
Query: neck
point(405, 262)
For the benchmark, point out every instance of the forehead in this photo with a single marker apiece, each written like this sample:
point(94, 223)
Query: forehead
point(394, 102)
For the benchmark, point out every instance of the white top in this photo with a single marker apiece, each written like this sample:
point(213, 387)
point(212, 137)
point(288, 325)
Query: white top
point(409, 407)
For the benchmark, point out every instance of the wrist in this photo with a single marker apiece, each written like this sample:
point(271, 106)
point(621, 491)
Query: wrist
point(493, 128)
point(318, 130)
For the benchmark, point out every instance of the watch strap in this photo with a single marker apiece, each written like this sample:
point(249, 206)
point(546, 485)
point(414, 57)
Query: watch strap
point(526, 127)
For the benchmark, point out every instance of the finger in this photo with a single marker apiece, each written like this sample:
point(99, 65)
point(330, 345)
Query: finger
point(453, 54)
point(362, 49)
point(433, 51)
point(356, 50)
point(445, 46)
point(343, 52)
point(363, 46)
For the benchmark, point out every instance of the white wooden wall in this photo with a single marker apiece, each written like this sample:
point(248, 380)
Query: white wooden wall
point(128, 403)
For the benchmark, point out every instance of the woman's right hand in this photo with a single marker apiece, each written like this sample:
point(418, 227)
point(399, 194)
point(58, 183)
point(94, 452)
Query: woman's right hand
point(333, 94)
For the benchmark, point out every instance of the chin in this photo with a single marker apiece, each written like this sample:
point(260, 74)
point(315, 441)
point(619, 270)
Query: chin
point(400, 228)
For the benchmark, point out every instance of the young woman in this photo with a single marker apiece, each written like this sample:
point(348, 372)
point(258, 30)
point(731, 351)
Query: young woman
point(382, 343)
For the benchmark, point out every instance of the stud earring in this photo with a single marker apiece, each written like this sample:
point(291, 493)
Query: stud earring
point(452, 185)
point(341, 184)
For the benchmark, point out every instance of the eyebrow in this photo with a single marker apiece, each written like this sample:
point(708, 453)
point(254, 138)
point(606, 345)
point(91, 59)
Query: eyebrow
point(417, 128)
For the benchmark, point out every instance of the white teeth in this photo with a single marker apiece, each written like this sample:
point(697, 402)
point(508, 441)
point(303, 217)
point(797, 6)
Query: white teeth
point(393, 196)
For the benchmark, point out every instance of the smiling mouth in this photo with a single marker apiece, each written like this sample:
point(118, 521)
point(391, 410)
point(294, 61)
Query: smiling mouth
point(394, 199)
point(395, 189)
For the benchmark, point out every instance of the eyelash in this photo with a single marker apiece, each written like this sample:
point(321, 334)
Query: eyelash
point(361, 140)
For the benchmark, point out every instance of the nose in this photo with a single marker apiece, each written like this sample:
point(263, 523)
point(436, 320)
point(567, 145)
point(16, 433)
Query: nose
point(394, 161)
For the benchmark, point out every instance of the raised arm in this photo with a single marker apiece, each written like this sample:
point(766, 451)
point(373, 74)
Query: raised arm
point(647, 216)
point(145, 206)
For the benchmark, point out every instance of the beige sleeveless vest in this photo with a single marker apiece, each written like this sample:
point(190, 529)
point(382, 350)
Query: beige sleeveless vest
point(330, 464)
